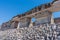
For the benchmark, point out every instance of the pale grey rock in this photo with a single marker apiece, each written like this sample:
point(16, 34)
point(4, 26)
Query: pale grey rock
point(31, 33)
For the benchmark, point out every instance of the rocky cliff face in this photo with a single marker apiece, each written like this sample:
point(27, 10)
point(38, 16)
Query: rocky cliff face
point(11, 25)
point(6, 25)
point(57, 20)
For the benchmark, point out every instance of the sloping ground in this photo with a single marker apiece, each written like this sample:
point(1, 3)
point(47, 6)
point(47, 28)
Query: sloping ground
point(32, 33)
point(8, 34)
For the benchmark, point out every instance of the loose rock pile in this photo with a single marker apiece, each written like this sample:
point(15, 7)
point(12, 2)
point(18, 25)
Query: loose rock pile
point(41, 32)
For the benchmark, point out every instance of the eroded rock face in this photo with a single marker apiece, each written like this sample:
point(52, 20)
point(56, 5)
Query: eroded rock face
point(12, 25)
point(25, 19)
point(5, 26)
point(8, 25)
point(57, 20)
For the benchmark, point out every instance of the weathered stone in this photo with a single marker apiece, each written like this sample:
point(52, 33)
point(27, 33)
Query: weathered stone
point(44, 28)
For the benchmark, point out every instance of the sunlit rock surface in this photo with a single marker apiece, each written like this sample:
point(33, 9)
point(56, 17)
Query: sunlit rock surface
point(10, 30)
point(32, 33)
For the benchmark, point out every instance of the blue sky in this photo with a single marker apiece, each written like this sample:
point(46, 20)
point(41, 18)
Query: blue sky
point(10, 8)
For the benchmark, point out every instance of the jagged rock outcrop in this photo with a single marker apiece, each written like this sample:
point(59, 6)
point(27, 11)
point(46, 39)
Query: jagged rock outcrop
point(9, 30)
point(9, 25)
point(42, 13)
point(6, 25)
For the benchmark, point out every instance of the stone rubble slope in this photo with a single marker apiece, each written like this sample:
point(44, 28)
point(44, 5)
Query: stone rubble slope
point(28, 33)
